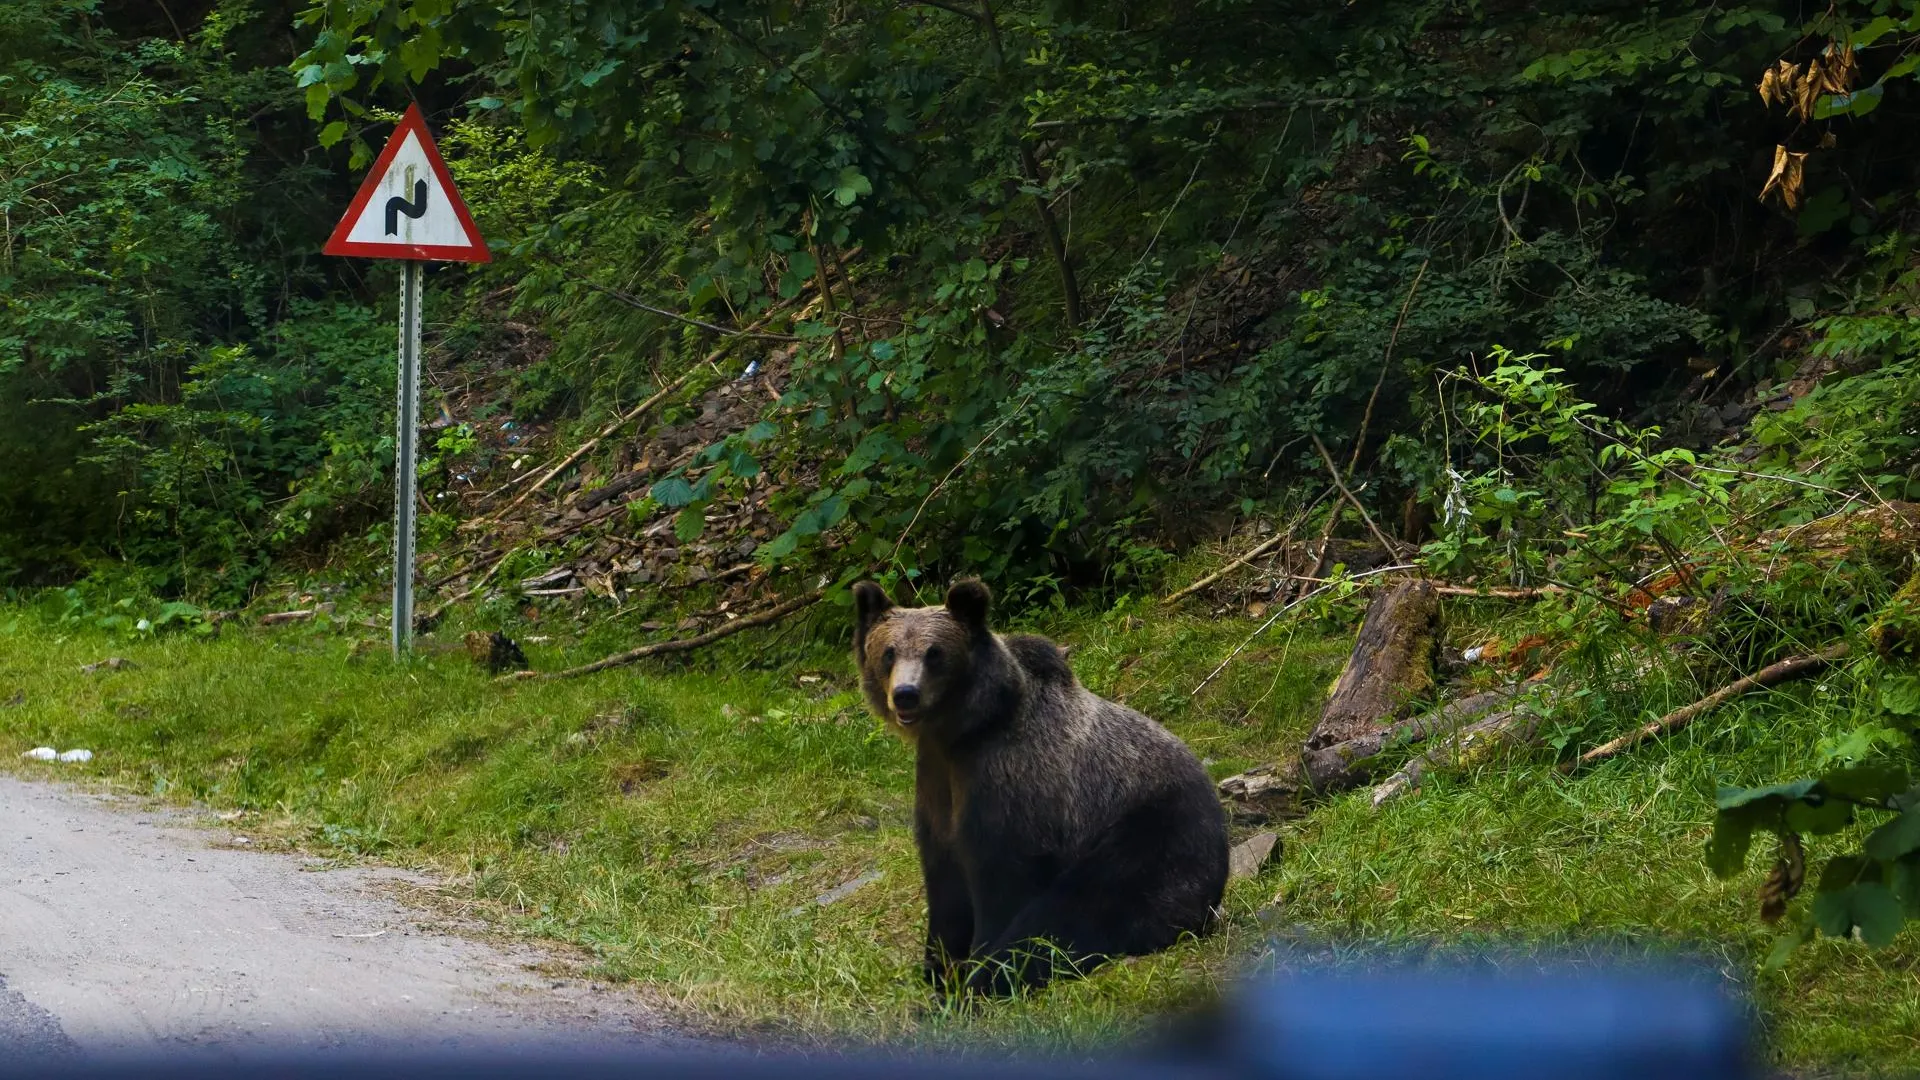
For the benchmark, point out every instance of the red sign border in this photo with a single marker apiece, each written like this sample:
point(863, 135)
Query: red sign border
point(338, 244)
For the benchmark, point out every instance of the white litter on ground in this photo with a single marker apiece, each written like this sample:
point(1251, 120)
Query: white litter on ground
point(48, 753)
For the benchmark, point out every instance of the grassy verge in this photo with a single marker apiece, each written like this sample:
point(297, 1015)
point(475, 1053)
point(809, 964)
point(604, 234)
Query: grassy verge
point(678, 821)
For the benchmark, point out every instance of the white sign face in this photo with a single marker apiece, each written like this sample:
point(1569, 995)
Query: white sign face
point(408, 208)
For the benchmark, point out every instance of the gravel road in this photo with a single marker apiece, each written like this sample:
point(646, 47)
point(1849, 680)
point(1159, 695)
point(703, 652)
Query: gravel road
point(128, 929)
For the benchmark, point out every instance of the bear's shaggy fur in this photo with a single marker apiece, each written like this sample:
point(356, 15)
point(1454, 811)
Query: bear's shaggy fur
point(1043, 813)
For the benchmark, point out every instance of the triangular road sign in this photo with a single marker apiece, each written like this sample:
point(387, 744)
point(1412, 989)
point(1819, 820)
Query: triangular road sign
point(408, 208)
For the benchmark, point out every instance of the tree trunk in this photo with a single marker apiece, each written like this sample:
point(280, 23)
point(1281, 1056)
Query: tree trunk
point(1391, 666)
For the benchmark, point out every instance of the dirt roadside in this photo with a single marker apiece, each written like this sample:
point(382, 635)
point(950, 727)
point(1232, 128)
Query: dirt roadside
point(125, 929)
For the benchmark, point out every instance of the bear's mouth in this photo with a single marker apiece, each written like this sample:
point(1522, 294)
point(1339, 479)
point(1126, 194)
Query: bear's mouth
point(906, 717)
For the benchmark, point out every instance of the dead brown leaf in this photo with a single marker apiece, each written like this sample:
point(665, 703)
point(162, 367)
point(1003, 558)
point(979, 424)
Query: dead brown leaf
point(1775, 84)
point(1783, 884)
point(1806, 92)
point(1788, 173)
point(1840, 69)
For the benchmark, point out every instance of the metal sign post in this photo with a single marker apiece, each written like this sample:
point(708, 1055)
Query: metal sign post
point(406, 470)
point(408, 209)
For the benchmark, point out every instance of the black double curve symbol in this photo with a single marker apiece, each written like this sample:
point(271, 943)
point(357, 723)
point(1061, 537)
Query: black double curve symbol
point(397, 206)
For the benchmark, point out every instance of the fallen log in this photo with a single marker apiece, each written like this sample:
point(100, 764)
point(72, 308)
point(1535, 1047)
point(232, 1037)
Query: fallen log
point(1275, 617)
point(1391, 665)
point(1790, 668)
point(1478, 741)
point(1336, 768)
point(660, 648)
point(1884, 535)
point(1468, 746)
point(1261, 795)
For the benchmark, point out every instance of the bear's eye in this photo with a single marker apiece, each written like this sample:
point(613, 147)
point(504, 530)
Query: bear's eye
point(887, 657)
point(934, 656)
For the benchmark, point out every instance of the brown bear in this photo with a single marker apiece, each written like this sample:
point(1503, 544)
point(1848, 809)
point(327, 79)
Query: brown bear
point(1056, 829)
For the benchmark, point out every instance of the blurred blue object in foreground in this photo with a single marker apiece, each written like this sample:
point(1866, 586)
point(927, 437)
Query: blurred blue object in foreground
point(1313, 1021)
point(1566, 1024)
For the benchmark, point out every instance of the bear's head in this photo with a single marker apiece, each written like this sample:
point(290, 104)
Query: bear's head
point(916, 664)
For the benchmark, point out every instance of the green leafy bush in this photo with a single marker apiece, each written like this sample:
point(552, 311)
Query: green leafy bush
point(1871, 890)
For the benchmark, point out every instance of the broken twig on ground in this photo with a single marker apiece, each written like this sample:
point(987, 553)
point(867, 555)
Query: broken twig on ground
point(1790, 668)
point(277, 618)
point(432, 617)
point(1490, 593)
point(658, 648)
point(1334, 471)
point(1260, 549)
point(587, 447)
point(1238, 649)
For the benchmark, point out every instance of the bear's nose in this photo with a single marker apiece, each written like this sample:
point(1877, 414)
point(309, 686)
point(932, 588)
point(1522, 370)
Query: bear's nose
point(906, 697)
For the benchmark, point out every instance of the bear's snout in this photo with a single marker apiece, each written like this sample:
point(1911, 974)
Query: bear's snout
point(906, 698)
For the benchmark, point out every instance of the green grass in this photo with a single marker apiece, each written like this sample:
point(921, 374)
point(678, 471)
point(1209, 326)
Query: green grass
point(1616, 853)
point(676, 820)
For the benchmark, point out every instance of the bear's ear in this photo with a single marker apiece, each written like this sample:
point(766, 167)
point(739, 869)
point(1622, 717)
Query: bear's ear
point(967, 601)
point(870, 602)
